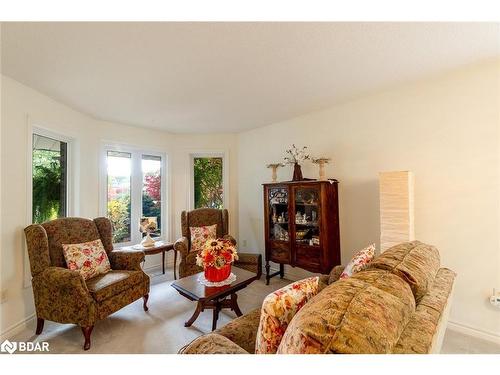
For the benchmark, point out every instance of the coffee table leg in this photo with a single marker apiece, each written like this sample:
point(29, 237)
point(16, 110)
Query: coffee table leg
point(217, 308)
point(234, 304)
point(197, 312)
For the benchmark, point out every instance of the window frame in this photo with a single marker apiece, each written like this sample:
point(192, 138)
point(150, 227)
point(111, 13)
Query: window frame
point(225, 174)
point(71, 207)
point(136, 185)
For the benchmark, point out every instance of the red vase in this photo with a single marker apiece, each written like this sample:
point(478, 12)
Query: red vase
point(215, 275)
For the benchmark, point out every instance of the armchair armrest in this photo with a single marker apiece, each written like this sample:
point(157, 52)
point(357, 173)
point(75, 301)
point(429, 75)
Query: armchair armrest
point(212, 343)
point(62, 295)
point(126, 259)
point(182, 246)
point(250, 262)
point(335, 273)
point(230, 238)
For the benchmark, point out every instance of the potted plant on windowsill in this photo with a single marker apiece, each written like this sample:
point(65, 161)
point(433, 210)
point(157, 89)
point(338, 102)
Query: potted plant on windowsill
point(216, 258)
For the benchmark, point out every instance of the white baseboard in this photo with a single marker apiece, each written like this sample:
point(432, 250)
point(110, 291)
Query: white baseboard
point(17, 328)
point(23, 324)
point(474, 332)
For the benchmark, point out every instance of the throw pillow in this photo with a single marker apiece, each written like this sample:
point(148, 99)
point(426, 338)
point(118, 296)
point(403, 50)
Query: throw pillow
point(277, 311)
point(359, 261)
point(89, 258)
point(200, 235)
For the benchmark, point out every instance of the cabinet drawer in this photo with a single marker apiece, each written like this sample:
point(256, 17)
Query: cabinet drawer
point(279, 251)
point(308, 256)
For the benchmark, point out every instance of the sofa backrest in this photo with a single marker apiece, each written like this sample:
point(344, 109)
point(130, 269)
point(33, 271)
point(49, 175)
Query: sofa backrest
point(415, 262)
point(425, 331)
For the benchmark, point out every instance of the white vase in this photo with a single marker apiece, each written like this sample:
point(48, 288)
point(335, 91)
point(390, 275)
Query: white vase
point(147, 241)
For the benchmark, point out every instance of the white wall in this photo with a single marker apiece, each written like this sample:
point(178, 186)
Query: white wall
point(20, 102)
point(446, 130)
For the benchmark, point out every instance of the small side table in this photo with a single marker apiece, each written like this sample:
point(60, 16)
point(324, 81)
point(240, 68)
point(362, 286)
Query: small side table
point(159, 247)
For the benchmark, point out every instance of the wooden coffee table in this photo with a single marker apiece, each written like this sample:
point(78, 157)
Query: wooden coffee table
point(215, 298)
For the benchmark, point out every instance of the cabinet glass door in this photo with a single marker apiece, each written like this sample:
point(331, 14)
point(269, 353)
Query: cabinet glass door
point(278, 212)
point(307, 214)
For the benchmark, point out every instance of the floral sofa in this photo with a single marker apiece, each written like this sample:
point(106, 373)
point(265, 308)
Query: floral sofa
point(398, 304)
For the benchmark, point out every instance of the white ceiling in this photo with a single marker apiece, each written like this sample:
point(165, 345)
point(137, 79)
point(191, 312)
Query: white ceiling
point(229, 77)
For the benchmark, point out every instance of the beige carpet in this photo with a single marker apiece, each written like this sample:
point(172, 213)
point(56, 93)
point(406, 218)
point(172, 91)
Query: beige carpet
point(161, 329)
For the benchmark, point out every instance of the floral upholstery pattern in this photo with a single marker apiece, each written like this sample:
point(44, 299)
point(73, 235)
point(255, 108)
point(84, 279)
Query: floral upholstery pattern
point(212, 344)
point(88, 258)
point(243, 330)
point(67, 231)
point(116, 302)
point(203, 217)
point(200, 235)
point(112, 283)
point(278, 309)
point(415, 262)
point(335, 274)
point(126, 260)
point(359, 261)
point(206, 217)
point(419, 333)
point(374, 311)
point(365, 313)
point(63, 295)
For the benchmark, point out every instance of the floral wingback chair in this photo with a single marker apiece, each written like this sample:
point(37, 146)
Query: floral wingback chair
point(205, 217)
point(63, 295)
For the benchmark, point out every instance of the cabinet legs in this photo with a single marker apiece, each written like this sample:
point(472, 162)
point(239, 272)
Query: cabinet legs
point(268, 268)
point(269, 275)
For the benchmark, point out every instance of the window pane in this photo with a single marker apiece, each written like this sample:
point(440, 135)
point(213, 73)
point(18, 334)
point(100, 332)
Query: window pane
point(151, 195)
point(208, 187)
point(119, 210)
point(49, 179)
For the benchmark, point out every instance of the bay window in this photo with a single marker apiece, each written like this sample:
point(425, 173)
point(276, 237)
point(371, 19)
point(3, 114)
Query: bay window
point(135, 192)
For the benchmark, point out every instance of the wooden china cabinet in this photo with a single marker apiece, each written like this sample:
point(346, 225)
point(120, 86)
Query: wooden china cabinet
point(302, 225)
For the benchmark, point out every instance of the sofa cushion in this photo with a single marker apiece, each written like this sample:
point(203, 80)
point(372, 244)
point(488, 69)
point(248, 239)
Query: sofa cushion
point(242, 330)
point(89, 258)
point(365, 313)
point(112, 283)
point(415, 262)
point(278, 309)
point(212, 343)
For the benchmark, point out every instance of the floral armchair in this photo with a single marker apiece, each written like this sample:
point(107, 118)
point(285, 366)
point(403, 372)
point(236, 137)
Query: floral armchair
point(205, 217)
point(62, 295)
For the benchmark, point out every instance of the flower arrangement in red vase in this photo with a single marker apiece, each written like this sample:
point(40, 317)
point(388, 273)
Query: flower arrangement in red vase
point(216, 258)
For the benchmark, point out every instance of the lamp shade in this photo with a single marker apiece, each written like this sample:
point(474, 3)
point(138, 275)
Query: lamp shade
point(397, 223)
